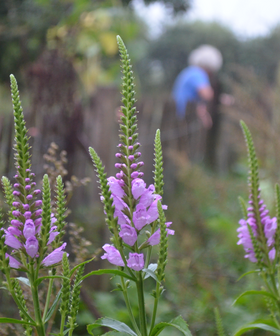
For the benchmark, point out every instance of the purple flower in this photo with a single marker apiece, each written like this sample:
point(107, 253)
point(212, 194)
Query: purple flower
point(31, 246)
point(155, 237)
point(140, 217)
point(55, 256)
point(128, 234)
point(53, 219)
point(27, 214)
point(122, 218)
point(13, 263)
point(14, 231)
point(16, 213)
point(272, 254)
point(52, 234)
point(12, 241)
point(115, 187)
point(16, 222)
point(29, 229)
point(269, 226)
point(112, 255)
point(148, 196)
point(138, 188)
point(136, 261)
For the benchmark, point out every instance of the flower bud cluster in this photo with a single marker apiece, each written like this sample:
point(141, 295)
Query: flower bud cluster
point(24, 231)
point(268, 230)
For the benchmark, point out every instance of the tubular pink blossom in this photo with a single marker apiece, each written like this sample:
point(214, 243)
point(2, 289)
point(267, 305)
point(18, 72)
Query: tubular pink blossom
point(55, 256)
point(136, 261)
point(12, 241)
point(112, 255)
point(13, 263)
point(32, 246)
point(128, 234)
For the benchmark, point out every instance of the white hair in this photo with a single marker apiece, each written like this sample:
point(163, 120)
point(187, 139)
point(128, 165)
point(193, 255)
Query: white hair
point(206, 56)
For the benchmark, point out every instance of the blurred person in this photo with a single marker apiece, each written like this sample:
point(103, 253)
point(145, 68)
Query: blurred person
point(193, 93)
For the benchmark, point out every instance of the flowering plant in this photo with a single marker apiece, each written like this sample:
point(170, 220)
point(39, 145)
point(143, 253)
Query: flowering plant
point(136, 220)
point(259, 233)
point(34, 236)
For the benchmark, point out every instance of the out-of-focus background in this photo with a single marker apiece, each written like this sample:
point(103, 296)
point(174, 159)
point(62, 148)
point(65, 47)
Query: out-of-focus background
point(65, 58)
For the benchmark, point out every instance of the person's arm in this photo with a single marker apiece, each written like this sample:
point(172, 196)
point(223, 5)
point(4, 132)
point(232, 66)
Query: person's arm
point(205, 93)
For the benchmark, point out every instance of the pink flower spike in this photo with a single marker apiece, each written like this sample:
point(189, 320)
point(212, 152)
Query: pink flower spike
point(29, 197)
point(55, 256)
point(13, 263)
point(16, 193)
point(31, 246)
point(25, 207)
point(37, 192)
point(112, 255)
point(16, 204)
point(136, 261)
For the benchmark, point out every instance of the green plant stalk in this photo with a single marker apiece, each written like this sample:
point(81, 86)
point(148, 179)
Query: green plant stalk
point(128, 306)
point(155, 307)
point(10, 287)
point(48, 298)
point(71, 327)
point(62, 323)
point(141, 301)
point(34, 290)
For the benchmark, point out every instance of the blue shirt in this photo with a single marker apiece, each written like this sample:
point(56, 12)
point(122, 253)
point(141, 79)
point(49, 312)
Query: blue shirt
point(186, 87)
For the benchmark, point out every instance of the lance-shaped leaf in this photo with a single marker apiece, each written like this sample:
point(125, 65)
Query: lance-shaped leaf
point(177, 323)
point(111, 323)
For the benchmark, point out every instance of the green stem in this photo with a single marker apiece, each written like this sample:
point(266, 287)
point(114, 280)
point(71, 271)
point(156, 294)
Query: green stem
point(16, 300)
point(34, 289)
point(141, 301)
point(155, 307)
point(62, 323)
point(48, 299)
point(126, 299)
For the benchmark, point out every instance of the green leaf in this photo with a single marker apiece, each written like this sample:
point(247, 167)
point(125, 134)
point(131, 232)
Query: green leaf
point(150, 273)
point(109, 271)
point(12, 320)
point(39, 280)
point(83, 263)
point(53, 307)
point(24, 280)
point(177, 323)
point(66, 331)
point(251, 326)
point(111, 323)
point(250, 272)
point(111, 333)
point(255, 292)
